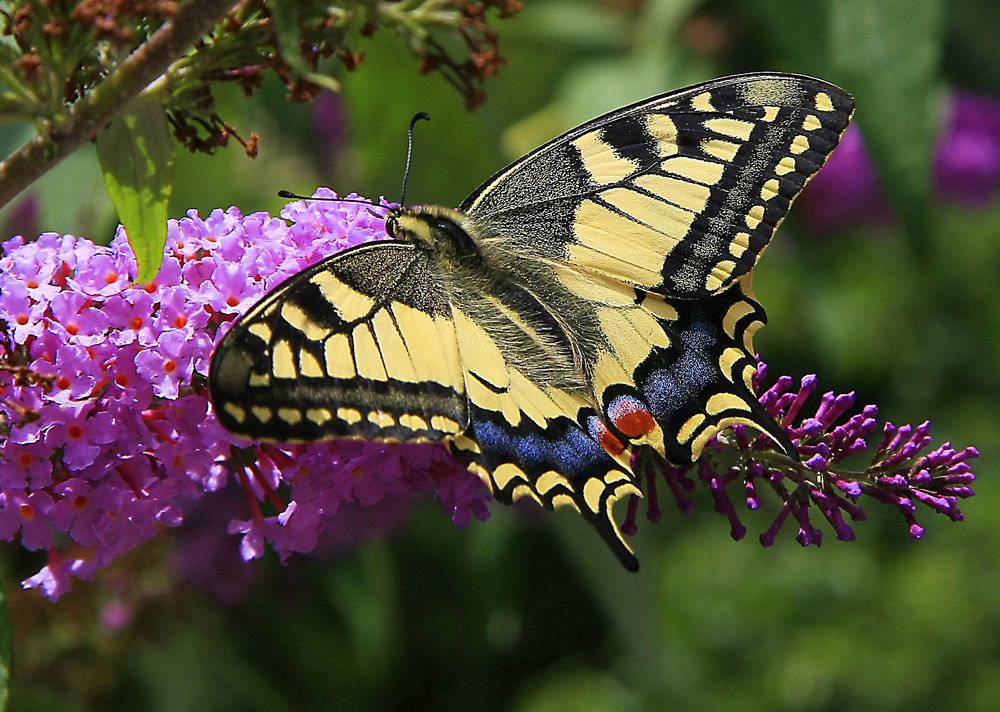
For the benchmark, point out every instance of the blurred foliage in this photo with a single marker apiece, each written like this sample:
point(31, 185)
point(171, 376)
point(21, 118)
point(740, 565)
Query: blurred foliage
point(527, 611)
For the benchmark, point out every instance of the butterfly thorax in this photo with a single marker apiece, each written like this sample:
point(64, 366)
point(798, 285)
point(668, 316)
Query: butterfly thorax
point(494, 297)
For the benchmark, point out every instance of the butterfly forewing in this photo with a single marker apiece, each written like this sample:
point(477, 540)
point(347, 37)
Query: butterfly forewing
point(678, 194)
point(359, 345)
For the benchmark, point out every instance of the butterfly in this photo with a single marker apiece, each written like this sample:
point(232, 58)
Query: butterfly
point(592, 298)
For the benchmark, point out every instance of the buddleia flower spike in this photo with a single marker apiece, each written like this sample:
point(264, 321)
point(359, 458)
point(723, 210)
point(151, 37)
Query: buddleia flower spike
point(835, 471)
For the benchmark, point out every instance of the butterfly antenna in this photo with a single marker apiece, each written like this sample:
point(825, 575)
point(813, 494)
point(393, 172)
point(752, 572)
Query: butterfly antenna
point(289, 195)
point(409, 151)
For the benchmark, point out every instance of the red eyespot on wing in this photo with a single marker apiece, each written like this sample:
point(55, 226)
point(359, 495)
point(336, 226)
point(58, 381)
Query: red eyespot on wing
point(631, 417)
point(603, 435)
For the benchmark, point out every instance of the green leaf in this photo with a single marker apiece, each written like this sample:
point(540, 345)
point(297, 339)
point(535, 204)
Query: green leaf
point(4, 649)
point(889, 55)
point(137, 159)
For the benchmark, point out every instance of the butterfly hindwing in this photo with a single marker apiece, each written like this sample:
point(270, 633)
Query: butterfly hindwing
point(557, 463)
point(700, 382)
point(677, 195)
point(361, 344)
point(670, 373)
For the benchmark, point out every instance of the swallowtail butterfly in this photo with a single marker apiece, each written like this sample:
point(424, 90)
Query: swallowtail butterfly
point(590, 298)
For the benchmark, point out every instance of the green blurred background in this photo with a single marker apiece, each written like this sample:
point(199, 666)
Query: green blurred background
point(528, 611)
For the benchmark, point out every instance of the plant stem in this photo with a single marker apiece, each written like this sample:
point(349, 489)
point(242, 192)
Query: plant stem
point(105, 101)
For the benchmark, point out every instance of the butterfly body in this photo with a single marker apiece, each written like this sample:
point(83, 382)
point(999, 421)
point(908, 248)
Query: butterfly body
point(509, 304)
point(593, 297)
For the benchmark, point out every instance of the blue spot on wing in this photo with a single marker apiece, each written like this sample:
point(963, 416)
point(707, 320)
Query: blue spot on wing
point(675, 382)
point(562, 446)
point(671, 388)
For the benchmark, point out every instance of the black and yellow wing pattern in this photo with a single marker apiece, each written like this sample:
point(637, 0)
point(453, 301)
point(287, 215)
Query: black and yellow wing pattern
point(593, 297)
point(359, 345)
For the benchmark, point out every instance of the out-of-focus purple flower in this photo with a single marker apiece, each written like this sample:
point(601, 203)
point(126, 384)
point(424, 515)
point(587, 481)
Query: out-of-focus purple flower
point(846, 191)
point(22, 219)
point(967, 159)
point(106, 433)
point(966, 169)
point(898, 472)
point(357, 524)
point(329, 121)
point(116, 614)
point(460, 493)
point(207, 560)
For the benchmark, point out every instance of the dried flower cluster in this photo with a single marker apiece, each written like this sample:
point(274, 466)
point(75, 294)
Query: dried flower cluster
point(66, 48)
point(59, 52)
point(484, 58)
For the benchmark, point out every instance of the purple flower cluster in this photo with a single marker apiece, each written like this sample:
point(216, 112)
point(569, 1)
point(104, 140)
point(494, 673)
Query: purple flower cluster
point(967, 155)
point(106, 432)
point(897, 473)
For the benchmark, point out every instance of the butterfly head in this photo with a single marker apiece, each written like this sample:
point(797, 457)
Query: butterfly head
point(435, 229)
